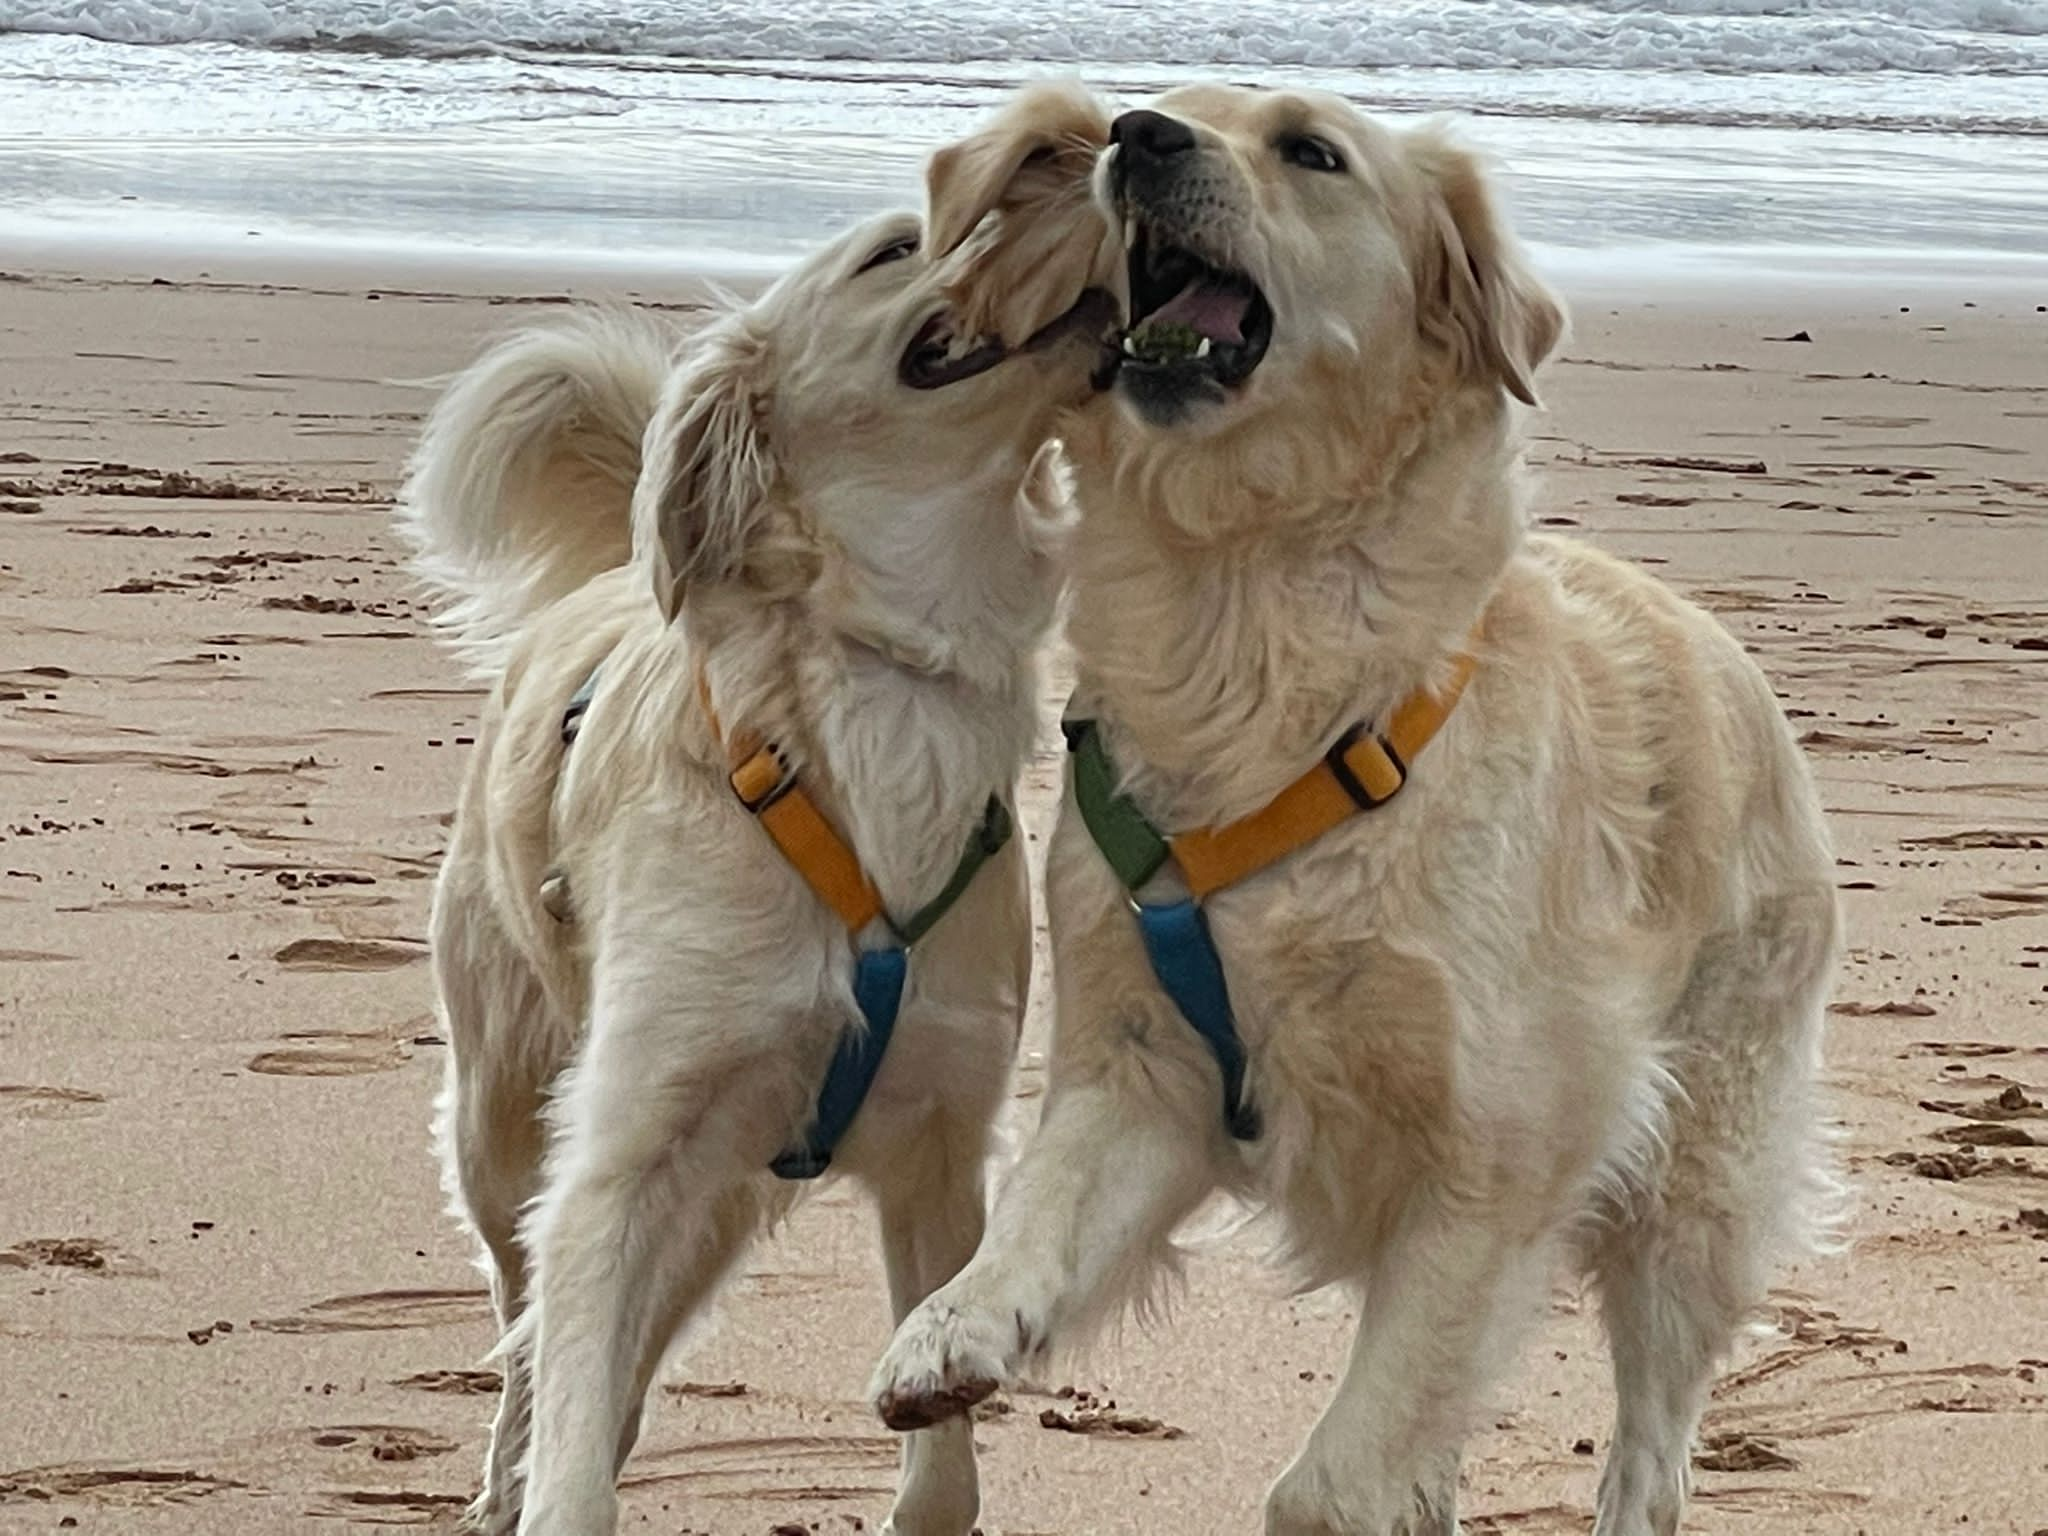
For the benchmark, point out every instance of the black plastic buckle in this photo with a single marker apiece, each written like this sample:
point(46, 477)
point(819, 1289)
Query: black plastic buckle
point(1360, 795)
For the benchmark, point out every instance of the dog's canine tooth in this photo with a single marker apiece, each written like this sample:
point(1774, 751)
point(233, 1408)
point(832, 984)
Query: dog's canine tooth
point(1130, 230)
point(1202, 347)
point(1130, 347)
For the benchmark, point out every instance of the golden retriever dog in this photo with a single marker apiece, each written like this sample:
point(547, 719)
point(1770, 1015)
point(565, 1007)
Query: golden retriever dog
point(1557, 997)
point(821, 523)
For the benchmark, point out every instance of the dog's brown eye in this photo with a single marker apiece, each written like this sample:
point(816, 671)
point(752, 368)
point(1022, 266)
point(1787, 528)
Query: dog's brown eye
point(1310, 153)
point(895, 250)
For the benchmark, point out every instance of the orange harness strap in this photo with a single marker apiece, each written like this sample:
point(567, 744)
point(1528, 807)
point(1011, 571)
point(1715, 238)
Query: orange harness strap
point(768, 787)
point(1362, 771)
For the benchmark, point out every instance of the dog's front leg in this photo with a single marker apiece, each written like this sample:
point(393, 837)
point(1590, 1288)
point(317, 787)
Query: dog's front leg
point(1118, 1160)
point(662, 1130)
point(933, 1211)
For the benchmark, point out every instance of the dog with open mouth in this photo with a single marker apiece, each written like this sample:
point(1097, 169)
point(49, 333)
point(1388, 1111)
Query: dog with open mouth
point(730, 901)
point(1456, 896)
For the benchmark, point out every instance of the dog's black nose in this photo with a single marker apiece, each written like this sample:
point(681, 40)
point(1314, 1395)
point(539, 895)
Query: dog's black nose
point(1153, 135)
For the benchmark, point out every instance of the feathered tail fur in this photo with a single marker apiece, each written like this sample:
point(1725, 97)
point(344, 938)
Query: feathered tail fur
point(521, 488)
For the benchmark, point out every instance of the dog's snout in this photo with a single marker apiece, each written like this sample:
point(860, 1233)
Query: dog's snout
point(1152, 135)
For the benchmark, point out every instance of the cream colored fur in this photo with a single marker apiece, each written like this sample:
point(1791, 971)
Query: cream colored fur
point(861, 571)
point(1561, 1000)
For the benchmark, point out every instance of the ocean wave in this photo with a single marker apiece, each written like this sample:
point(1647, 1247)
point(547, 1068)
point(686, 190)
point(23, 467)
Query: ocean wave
point(1936, 37)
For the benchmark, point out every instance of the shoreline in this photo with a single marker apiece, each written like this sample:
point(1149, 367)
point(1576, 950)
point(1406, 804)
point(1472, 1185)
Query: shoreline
point(1701, 277)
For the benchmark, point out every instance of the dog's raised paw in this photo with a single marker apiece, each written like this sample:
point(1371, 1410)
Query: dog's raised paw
point(942, 1362)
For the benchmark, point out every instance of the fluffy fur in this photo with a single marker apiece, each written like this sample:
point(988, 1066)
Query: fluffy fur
point(859, 570)
point(1561, 999)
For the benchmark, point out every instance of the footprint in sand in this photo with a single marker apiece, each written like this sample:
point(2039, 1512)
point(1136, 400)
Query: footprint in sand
point(169, 762)
point(84, 1255)
point(131, 1486)
point(1970, 1050)
point(239, 640)
point(770, 1467)
point(1911, 1009)
point(1996, 906)
point(1542, 1520)
point(2009, 1103)
point(1737, 1451)
point(39, 1101)
point(382, 1442)
point(1820, 1409)
point(379, 1311)
point(1965, 1162)
point(1770, 1499)
point(332, 1053)
point(380, 1506)
point(453, 1383)
point(348, 954)
point(1979, 838)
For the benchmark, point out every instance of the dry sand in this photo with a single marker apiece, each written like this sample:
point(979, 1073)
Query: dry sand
point(229, 1299)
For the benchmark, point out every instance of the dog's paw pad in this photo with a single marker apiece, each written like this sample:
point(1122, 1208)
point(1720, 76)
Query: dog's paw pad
point(907, 1409)
point(942, 1362)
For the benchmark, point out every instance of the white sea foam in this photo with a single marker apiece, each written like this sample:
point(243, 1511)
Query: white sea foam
point(1719, 36)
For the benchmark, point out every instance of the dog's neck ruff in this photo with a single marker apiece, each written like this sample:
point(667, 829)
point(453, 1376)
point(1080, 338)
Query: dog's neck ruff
point(1362, 771)
point(769, 788)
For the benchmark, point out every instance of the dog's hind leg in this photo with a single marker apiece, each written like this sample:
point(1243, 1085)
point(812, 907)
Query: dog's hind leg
point(732, 1219)
point(659, 1129)
point(1445, 1301)
point(502, 1047)
point(1683, 1259)
point(933, 1209)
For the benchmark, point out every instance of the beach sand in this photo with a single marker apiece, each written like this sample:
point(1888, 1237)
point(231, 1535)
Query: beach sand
point(230, 1301)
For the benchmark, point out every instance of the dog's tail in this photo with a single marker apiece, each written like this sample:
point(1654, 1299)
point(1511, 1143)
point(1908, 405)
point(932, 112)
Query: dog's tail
point(521, 488)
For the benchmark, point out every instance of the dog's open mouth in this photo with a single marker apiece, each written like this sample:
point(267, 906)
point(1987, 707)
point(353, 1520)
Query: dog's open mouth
point(1188, 314)
point(936, 358)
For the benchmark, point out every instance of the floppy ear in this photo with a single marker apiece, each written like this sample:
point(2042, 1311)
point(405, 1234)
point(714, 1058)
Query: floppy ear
point(1480, 297)
point(1032, 168)
point(706, 469)
point(1045, 138)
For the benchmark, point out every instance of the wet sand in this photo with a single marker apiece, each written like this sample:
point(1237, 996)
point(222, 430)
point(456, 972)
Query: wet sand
point(230, 1301)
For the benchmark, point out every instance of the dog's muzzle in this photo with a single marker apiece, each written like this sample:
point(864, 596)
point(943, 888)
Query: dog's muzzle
point(1198, 323)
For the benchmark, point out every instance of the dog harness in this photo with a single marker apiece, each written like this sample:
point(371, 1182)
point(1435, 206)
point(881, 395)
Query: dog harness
point(1362, 771)
point(768, 787)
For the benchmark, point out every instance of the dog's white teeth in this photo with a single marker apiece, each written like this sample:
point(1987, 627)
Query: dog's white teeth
point(1202, 347)
point(1130, 230)
point(1130, 347)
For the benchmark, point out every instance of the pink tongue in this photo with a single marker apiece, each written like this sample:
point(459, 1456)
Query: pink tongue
point(1216, 313)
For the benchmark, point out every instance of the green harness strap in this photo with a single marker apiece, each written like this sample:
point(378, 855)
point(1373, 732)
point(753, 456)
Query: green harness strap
point(1130, 843)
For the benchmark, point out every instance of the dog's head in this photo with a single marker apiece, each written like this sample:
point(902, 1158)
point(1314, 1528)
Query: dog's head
point(1280, 246)
point(1014, 202)
point(845, 419)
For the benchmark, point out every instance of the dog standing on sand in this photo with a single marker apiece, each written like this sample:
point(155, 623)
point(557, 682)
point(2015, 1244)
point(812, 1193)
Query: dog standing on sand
point(1458, 895)
point(786, 583)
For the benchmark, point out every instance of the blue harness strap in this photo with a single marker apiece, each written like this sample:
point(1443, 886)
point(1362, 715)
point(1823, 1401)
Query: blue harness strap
point(878, 977)
point(1176, 934)
point(1184, 958)
point(766, 786)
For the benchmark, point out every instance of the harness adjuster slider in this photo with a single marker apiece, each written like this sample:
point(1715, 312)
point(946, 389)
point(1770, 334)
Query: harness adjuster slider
point(1390, 772)
point(763, 779)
